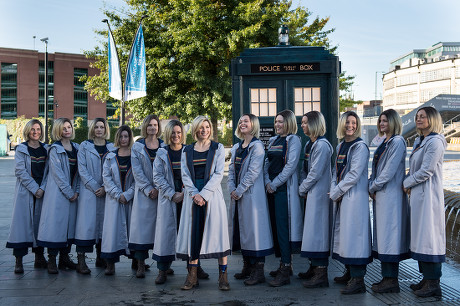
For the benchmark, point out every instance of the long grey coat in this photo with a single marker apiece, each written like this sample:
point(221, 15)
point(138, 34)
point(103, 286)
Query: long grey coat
point(144, 211)
point(253, 216)
point(289, 175)
point(164, 249)
point(428, 228)
point(90, 212)
point(391, 208)
point(57, 221)
point(352, 227)
point(26, 215)
point(117, 216)
point(316, 185)
point(215, 243)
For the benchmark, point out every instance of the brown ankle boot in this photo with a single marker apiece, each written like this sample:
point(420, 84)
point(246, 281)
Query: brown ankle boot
point(140, 268)
point(306, 275)
point(431, 287)
point(223, 281)
point(191, 281)
point(344, 279)
point(52, 268)
point(319, 278)
point(355, 285)
point(417, 286)
point(18, 268)
point(387, 285)
point(282, 277)
point(161, 278)
point(110, 268)
point(82, 268)
point(245, 272)
point(257, 275)
point(40, 261)
point(201, 274)
point(66, 262)
point(100, 263)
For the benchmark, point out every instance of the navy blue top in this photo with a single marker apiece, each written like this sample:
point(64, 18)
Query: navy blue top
point(199, 163)
point(342, 157)
point(379, 151)
point(124, 164)
point(37, 163)
point(175, 159)
point(275, 155)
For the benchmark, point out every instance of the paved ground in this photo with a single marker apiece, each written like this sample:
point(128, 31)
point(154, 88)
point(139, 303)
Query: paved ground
point(37, 287)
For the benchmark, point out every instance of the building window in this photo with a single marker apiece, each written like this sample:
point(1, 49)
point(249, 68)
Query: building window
point(80, 95)
point(306, 99)
point(9, 90)
point(110, 111)
point(263, 101)
point(41, 88)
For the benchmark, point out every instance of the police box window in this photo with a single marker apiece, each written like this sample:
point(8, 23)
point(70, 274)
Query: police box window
point(263, 101)
point(306, 99)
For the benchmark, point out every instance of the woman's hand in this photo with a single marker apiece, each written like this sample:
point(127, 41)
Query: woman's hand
point(39, 193)
point(234, 196)
point(74, 197)
point(407, 190)
point(198, 200)
point(122, 200)
point(153, 194)
point(178, 197)
point(269, 190)
point(100, 192)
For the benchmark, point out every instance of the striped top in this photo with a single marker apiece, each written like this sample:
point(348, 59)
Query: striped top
point(341, 161)
point(38, 158)
point(175, 159)
point(199, 163)
point(276, 154)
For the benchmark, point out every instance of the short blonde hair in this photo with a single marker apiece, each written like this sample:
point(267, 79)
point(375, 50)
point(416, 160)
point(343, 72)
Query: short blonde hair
point(434, 120)
point(290, 122)
point(394, 122)
point(316, 124)
point(342, 125)
point(196, 124)
point(169, 130)
point(92, 127)
point(145, 124)
point(255, 126)
point(28, 128)
point(58, 125)
point(118, 136)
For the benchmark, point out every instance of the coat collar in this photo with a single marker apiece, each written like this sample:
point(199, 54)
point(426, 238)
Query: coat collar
point(209, 160)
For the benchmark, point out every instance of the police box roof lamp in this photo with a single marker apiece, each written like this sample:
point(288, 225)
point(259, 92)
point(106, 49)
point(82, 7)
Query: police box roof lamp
point(283, 35)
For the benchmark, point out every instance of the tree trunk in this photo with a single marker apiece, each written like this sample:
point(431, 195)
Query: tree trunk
point(214, 130)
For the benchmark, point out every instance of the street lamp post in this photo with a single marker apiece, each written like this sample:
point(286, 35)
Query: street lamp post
point(45, 40)
point(376, 73)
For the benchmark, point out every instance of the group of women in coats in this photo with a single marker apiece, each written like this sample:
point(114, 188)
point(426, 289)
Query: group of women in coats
point(129, 198)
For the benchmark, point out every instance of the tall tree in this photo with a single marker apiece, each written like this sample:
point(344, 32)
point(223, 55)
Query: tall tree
point(189, 45)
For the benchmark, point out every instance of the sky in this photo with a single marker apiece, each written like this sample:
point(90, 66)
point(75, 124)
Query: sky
point(369, 34)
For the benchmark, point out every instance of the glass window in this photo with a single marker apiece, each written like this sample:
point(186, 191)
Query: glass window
point(9, 90)
point(263, 101)
point(80, 95)
point(306, 99)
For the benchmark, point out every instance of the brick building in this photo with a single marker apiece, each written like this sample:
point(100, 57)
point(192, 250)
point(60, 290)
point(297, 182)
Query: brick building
point(22, 86)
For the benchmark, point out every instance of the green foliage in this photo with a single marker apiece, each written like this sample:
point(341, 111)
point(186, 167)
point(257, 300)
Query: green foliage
point(226, 136)
point(189, 45)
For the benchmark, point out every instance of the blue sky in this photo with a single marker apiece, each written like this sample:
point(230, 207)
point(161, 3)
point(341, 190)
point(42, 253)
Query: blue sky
point(369, 33)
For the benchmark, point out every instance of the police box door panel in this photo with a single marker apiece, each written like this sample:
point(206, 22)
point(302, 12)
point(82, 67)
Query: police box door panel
point(264, 98)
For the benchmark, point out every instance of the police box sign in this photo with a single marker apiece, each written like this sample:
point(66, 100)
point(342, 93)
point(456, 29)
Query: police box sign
point(277, 68)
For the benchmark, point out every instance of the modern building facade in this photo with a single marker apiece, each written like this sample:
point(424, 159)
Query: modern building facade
point(421, 75)
point(22, 86)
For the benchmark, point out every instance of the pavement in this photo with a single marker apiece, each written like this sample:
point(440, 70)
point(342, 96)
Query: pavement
point(37, 287)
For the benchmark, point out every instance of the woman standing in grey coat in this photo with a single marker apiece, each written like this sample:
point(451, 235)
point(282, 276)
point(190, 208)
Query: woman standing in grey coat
point(31, 171)
point(424, 186)
point(391, 210)
point(349, 191)
point(249, 215)
point(144, 212)
point(281, 184)
point(90, 212)
point(119, 185)
point(315, 182)
point(59, 211)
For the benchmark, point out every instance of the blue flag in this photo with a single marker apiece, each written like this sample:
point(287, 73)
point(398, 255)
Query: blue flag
point(115, 86)
point(136, 81)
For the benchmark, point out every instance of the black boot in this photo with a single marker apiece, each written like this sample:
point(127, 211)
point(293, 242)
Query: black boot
point(431, 287)
point(66, 262)
point(282, 277)
point(344, 279)
point(18, 268)
point(82, 268)
point(417, 286)
point(52, 268)
point(110, 269)
point(245, 272)
point(191, 281)
point(40, 261)
point(257, 275)
point(319, 278)
point(306, 275)
point(355, 285)
point(140, 268)
point(387, 285)
point(100, 263)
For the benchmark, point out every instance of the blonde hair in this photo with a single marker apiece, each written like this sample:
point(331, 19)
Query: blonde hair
point(255, 126)
point(58, 125)
point(92, 127)
point(145, 124)
point(394, 122)
point(28, 128)
point(342, 125)
point(118, 136)
point(196, 124)
point(316, 124)
point(434, 120)
point(290, 122)
point(169, 130)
